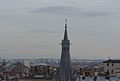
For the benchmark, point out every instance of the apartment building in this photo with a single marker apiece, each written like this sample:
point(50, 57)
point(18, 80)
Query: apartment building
point(112, 68)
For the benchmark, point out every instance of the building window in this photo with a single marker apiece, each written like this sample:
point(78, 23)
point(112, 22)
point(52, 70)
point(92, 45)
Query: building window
point(112, 71)
point(107, 64)
point(112, 64)
point(107, 71)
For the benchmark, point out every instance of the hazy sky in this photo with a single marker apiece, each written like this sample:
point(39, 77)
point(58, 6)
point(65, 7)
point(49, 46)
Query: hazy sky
point(34, 28)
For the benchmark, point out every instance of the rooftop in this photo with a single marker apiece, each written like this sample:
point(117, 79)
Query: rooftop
point(111, 61)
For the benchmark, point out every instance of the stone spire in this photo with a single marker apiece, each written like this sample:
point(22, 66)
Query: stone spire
point(65, 34)
point(65, 68)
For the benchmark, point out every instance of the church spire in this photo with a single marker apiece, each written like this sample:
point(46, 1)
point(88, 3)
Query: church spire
point(65, 72)
point(65, 34)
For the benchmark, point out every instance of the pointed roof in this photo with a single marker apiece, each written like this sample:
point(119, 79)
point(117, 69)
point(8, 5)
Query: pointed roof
point(65, 34)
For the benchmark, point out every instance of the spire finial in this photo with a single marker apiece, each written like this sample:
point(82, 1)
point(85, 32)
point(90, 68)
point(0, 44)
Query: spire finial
point(65, 23)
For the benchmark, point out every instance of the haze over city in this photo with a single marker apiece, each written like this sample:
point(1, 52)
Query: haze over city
point(34, 28)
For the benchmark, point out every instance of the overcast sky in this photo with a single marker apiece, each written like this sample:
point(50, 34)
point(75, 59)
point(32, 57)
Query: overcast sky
point(34, 28)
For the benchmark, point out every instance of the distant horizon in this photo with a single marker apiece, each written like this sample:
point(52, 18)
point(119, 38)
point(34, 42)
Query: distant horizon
point(59, 58)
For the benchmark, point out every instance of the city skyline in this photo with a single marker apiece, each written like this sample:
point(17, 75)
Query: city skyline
point(34, 29)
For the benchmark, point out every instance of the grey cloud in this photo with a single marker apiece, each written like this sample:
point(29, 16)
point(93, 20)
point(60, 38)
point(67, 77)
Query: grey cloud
point(65, 10)
point(93, 14)
point(43, 31)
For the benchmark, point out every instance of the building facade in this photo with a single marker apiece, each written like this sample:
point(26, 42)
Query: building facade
point(112, 68)
point(65, 67)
